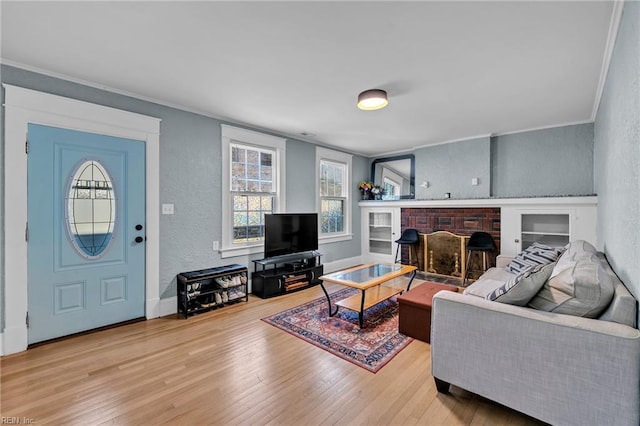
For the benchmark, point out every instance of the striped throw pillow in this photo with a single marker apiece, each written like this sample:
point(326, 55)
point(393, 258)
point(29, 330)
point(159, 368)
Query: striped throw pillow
point(535, 254)
point(520, 289)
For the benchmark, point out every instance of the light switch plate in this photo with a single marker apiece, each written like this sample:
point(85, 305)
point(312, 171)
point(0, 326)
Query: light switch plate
point(167, 209)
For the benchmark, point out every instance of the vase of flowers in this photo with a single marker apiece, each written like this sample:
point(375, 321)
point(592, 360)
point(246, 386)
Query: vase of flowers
point(365, 190)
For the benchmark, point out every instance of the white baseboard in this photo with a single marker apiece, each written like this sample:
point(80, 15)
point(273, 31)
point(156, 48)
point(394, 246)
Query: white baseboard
point(152, 308)
point(168, 306)
point(1, 344)
point(337, 265)
point(14, 340)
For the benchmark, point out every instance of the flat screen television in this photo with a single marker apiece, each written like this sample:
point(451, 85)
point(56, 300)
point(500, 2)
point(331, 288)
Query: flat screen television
point(286, 233)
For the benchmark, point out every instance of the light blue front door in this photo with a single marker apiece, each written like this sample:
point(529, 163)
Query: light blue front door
point(86, 228)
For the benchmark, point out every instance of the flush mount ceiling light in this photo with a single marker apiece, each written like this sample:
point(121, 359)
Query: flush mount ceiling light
point(372, 99)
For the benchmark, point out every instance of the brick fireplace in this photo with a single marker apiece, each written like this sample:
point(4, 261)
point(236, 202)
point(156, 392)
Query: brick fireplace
point(460, 221)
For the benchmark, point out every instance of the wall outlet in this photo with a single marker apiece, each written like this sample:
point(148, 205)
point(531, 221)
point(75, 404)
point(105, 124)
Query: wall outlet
point(474, 181)
point(216, 245)
point(167, 209)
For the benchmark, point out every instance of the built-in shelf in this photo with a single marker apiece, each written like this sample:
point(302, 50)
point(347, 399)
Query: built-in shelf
point(380, 232)
point(546, 228)
point(549, 220)
point(562, 234)
point(378, 250)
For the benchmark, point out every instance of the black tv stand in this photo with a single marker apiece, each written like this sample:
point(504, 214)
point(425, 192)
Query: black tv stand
point(279, 275)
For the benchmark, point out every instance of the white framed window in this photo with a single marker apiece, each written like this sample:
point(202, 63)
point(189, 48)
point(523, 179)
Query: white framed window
point(252, 185)
point(333, 177)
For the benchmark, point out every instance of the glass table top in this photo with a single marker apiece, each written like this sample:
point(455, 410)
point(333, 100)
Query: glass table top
point(366, 274)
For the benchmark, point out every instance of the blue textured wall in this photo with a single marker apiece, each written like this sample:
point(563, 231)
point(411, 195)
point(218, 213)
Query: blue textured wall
point(549, 162)
point(617, 154)
point(450, 168)
point(557, 161)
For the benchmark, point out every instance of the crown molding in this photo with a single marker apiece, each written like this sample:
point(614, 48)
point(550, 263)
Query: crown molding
point(106, 88)
point(552, 126)
point(481, 136)
point(616, 17)
point(615, 21)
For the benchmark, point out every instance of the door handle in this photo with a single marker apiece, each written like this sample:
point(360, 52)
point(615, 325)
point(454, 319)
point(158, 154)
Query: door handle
point(139, 240)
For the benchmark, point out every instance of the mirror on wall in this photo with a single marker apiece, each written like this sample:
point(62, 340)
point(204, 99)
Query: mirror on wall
point(396, 175)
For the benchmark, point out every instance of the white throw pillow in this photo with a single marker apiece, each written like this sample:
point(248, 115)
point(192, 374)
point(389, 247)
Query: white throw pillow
point(579, 285)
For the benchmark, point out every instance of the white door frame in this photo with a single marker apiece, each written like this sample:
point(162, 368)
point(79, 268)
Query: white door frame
point(24, 106)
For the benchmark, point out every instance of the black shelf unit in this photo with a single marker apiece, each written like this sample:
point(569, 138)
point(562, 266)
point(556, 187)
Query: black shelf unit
point(279, 275)
point(206, 289)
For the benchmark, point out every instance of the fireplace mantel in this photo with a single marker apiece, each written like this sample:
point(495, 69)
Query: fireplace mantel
point(591, 200)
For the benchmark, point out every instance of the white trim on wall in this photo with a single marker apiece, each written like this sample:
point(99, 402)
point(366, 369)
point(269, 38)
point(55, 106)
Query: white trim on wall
point(338, 265)
point(410, 150)
point(24, 106)
point(549, 127)
point(616, 17)
point(169, 306)
point(100, 86)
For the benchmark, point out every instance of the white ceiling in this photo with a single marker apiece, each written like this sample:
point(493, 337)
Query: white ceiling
point(453, 70)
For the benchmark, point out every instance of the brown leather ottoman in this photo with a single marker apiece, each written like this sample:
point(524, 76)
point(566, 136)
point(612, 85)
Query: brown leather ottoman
point(415, 310)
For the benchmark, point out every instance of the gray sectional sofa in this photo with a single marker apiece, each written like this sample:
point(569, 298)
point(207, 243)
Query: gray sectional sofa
point(562, 369)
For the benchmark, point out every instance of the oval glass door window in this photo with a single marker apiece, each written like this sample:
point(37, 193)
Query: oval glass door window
point(91, 209)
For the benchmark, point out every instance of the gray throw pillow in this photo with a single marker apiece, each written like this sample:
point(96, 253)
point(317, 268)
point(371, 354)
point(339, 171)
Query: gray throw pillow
point(521, 288)
point(579, 285)
point(535, 254)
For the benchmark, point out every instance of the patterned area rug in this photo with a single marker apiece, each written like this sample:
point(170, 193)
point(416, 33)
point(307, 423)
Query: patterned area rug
point(370, 347)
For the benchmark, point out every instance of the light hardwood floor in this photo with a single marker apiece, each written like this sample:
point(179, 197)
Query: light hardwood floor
point(227, 367)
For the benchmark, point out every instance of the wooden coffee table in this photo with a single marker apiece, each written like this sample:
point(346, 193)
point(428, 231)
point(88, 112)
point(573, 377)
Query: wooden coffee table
point(368, 279)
